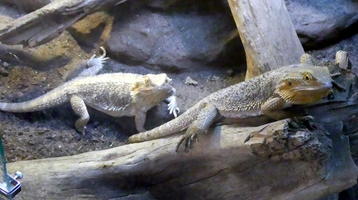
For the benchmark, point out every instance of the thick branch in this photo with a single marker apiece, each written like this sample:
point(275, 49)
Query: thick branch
point(281, 160)
point(267, 33)
point(48, 22)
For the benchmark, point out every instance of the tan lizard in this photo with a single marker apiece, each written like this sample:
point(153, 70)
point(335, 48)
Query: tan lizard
point(116, 94)
point(267, 94)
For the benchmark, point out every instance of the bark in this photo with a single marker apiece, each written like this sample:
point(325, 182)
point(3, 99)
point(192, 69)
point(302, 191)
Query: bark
point(267, 33)
point(46, 23)
point(282, 160)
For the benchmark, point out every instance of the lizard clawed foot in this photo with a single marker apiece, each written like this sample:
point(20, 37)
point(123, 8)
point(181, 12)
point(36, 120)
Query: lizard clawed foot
point(81, 131)
point(172, 106)
point(187, 141)
point(80, 128)
point(100, 59)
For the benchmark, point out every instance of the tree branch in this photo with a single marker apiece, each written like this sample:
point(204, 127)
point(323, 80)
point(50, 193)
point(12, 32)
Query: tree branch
point(48, 22)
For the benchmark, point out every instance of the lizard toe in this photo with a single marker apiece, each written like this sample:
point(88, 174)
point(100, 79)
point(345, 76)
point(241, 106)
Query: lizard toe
point(188, 140)
point(80, 129)
point(184, 144)
point(179, 143)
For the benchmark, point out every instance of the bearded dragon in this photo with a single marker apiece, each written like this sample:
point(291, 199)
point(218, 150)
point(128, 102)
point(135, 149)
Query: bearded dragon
point(95, 64)
point(115, 94)
point(267, 94)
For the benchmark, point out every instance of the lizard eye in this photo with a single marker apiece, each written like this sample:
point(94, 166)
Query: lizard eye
point(289, 83)
point(307, 76)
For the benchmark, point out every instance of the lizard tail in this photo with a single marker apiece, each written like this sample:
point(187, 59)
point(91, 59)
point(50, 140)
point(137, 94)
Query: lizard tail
point(174, 126)
point(52, 98)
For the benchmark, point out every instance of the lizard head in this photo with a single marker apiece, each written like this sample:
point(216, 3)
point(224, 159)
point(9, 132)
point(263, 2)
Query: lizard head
point(154, 87)
point(304, 84)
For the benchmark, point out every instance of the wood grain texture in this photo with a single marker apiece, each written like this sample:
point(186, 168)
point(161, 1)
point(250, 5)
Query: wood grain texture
point(280, 160)
point(267, 33)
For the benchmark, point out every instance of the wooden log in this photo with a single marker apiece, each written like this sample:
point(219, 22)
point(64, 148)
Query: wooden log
point(282, 160)
point(267, 33)
point(46, 23)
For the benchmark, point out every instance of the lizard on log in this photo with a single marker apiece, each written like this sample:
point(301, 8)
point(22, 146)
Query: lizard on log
point(267, 94)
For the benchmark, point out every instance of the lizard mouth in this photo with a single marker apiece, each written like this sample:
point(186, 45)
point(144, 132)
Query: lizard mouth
point(305, 95)
point(312, 88)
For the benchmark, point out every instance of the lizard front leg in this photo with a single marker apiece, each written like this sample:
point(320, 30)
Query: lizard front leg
point(140, 121)
point(272, 108)
point(201, 125)
point(79, 107)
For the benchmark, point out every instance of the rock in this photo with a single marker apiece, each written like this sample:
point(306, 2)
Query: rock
point(331, 197)
point(9, 11)
point(349, 45)
point(230, 72)
point(91, 32)
point(5, 64)
point(214, 78)
point(3, 71)
point(342, 60)
point(317, 21)
point(182, 37)
point(190, 81)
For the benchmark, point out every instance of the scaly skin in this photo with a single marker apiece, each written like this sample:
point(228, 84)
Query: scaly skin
point(266, 94)
point(91, 67)
point(117, 94)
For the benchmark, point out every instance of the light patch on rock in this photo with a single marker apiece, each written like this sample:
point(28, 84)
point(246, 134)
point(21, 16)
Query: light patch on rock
point(214, 78)
point(190, 81)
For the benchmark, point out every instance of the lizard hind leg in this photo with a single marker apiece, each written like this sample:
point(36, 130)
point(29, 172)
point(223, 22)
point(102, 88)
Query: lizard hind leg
point(200, 126)
point(79, 107)
point(140, 121)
